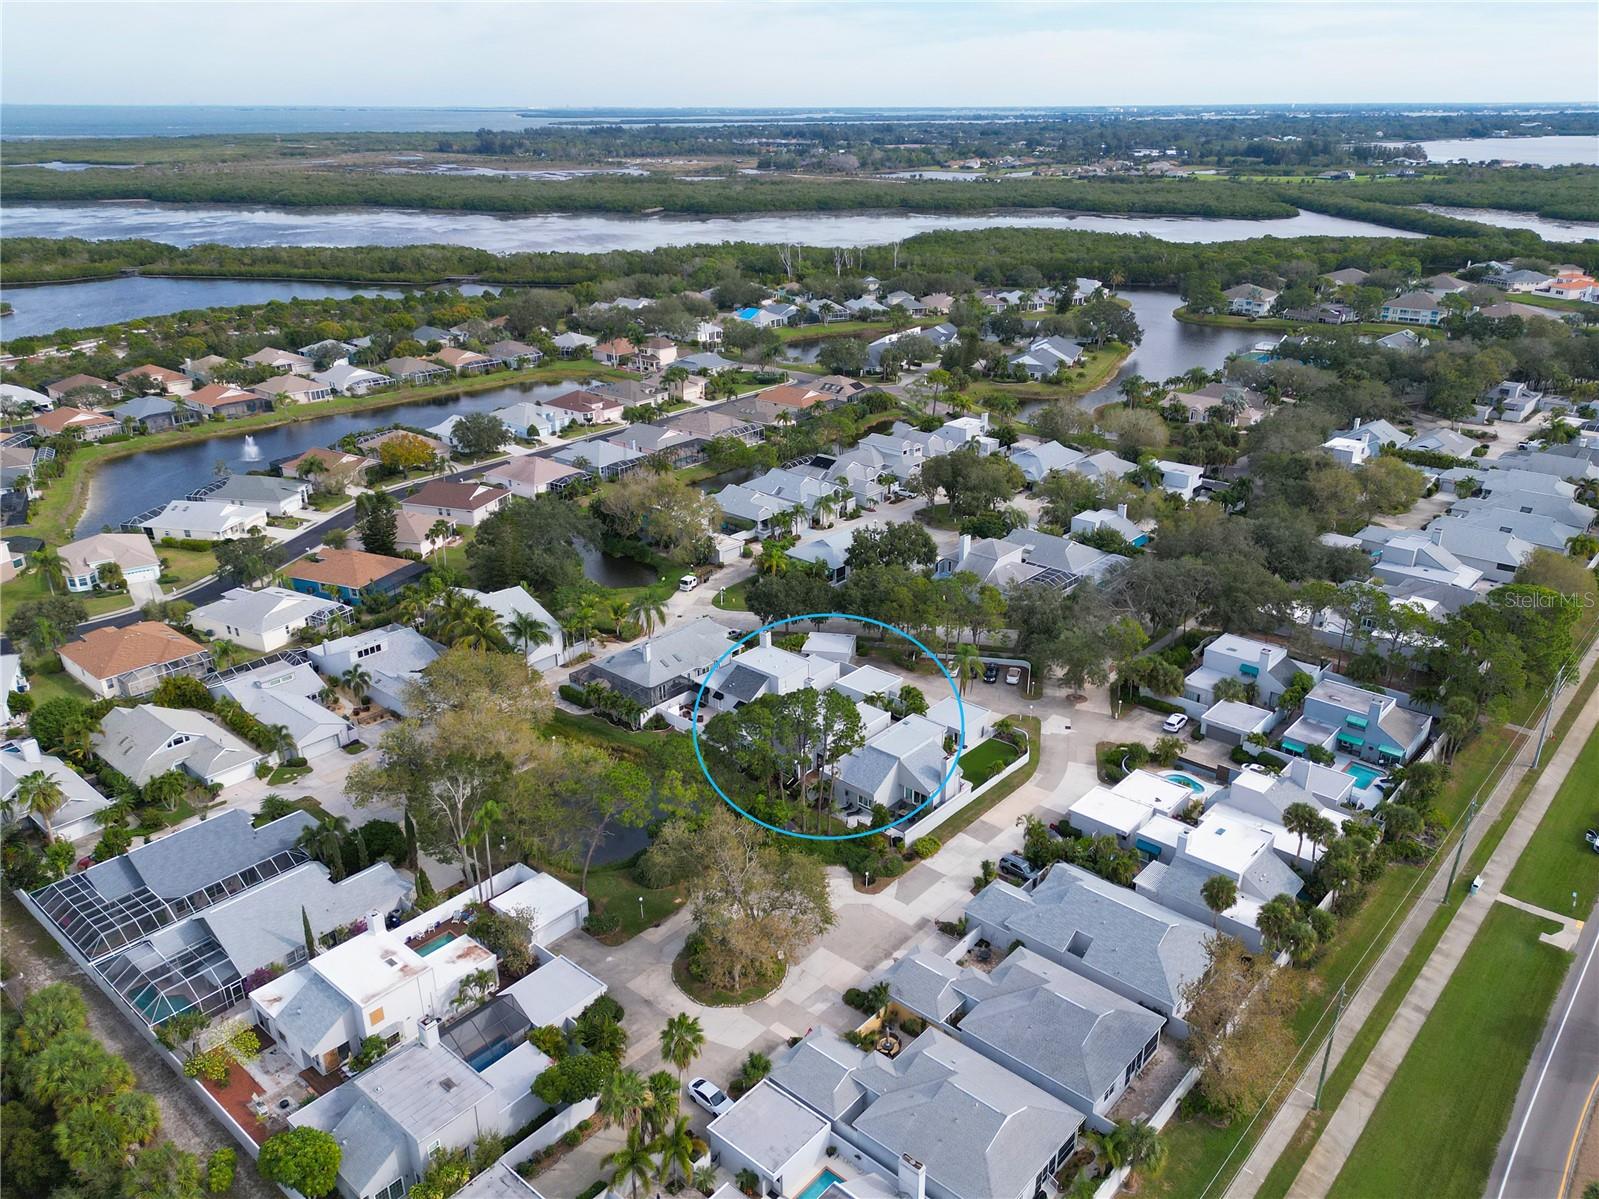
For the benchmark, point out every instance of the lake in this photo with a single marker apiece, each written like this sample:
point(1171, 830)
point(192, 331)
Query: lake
point(1544, 227)
point(187, 225)
point(125, 487)
point(1562, 149)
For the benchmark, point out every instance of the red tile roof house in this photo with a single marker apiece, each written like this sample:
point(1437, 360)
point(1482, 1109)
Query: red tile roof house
point(589, 407)
point(79, 422)
point(62, 388)
point(131, 661)
point(463, 362)
point(227, 401)
point(615, 352)
point(173, 383)
point(468, 504)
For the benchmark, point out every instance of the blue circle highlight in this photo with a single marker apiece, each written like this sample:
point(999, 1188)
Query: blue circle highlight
point(960, 744)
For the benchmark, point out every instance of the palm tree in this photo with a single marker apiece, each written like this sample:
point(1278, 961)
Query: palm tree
point(623, 1098)
point(1219, 894)
point(463, 620)
point(1142, 1147)
point(279, 740)
point(355, 682)
point(223, 652)
point(42, 797)
point(1300, 818)
point(325, 842)
point(529, 632)
point(676, 1147)
point(773, 561)
point(681, 1041)
point(438, 531)
point(633, 1163)
point(52, 566)
point(581, 618)
point(648, 612)
point(968, 663)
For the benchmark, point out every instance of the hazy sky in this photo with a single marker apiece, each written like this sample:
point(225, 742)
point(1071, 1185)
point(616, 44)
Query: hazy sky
point(754, 53)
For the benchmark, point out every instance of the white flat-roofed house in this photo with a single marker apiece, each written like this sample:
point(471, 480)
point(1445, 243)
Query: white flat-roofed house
point(1347, 451)
point(1061, 1031)
point(1233, 722)
point(862, 682)
point(555, 909)
point(763, 669)
point(286, 695)
point(266, 619)
point(1180, 478)
point(205, 520)
point(773, 1135)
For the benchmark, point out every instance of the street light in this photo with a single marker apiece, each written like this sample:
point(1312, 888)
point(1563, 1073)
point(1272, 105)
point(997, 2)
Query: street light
point(641, 907)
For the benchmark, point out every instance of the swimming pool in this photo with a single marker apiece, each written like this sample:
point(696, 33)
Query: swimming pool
point(819, 1185)
point(436, 944)
point(1365, 776)
point(1191, 784)
point(491, 1053)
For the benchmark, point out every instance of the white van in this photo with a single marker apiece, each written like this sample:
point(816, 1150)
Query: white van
point(688, 582)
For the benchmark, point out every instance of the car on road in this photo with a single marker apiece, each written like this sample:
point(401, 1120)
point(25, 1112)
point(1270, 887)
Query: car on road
point(688, 582)
point(1592, 838)
point(710, 1096)
point(1175, 723)
point(1016, 866)
point(990, 673)
point(1013, 676)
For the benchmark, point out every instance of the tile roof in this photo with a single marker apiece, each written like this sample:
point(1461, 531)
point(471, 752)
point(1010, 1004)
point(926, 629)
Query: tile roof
point(346, 568)
point(108, 652)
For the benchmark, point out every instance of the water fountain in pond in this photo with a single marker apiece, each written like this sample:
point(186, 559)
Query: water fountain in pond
point(252, 452)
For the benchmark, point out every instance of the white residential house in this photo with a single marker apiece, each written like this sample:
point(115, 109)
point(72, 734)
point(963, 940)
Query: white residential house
point(1249, 299)
point(75, 819)
point(204, 520)
point(462, 504)
point(350, 380)
point(287, 695)
point(1347, 451)
point(531, 475)
point(131, 553)
point(391, 657)
point(266, 619)
point(1045, 356)
point(1267, 670)
point(278, 496)
point(899, 768)
point(1180, 478)
point(145, 741)
point(510, 602)
point(1412, 308)
point(1094, 519)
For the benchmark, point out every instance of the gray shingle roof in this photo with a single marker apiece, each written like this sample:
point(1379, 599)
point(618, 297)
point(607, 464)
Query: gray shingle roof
point(925, 982)
point(1112, 930)
point(820, 1070)
point(369, 1147)
point(193, 858)
point(312, 1012)
point(690, 647)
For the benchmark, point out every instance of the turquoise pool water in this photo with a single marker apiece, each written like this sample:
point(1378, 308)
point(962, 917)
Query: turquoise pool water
point(1365, 776)
point(1191, 784)
point(436, 944)
point(819, 1185)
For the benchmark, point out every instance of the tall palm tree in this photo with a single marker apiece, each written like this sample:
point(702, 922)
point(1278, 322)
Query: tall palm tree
point(968, 663)
point(676, 1147)
point(623, 1098)
point(1219, 894)
point(463, 620)
point(223, 652)
point(648, 611)
point(528, 632)
point(633, 1163)
point(681, 1041)
point(582, 617)
point(52, 566)
point(42, 797)
point(355, 681)
point(325, 842)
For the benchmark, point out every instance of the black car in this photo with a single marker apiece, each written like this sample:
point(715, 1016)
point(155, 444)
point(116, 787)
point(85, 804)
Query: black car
point(990, 673)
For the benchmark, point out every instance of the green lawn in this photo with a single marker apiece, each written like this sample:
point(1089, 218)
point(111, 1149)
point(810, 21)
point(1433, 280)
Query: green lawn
point(1438, 1125)
point(30, 585)
point(1557, 861)
point(733, 599)
point(613, 889)
point(983, 761)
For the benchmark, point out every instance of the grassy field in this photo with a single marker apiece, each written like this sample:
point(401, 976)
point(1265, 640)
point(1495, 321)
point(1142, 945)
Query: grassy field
point(1437, 1127)
point(181, 566)
point(1096, 366)
point(983, 761)
point(613, 890)
point(798, 335)
point(1557, 861)
point(1272, 324)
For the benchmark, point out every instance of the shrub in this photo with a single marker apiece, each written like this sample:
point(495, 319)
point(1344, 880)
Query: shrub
point(182, 691)
point(856, 998)
point(548, 1040)
point(597, 924)
point(116, 839)
point(593, 1190)
point(219, 1168)
point(571, 1138)
point(926, 847)
point(573, 694)
point(913, 1026)
point(20, 703)
point(604, 1008)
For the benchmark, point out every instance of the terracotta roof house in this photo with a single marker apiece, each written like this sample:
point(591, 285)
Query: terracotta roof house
point(793, 395)
point(531, 475)
point(80, 422)
point(346, 574)
point(293, 389)
point(335, 463)
point(62, 388)
point(224, 399)
point(614, 352)
point(463, 362)
point(467, 504)
point(130, 661)
point(589, 407)
point(174, 383)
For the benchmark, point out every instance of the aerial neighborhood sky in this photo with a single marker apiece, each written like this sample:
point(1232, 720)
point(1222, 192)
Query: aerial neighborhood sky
point(753, 53)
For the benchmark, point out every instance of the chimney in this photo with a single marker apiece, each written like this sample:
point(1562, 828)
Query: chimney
point(965, 547)
point(1374, 710)
point(912, 1177)
point(1121, 511)
point(1265, 658)
point(646, 651)
point(30, 750)
point(1436, 534)
point(428, 1032)
point(374, 924)
point(1356, 425)
point(766, 639)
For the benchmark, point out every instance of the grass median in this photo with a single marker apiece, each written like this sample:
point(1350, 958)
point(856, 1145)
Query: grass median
point(1557, 862)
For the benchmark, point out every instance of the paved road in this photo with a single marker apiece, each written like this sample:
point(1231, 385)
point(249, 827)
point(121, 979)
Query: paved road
point(1537, 1158)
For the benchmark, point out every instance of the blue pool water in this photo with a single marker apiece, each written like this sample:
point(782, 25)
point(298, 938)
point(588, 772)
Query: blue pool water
point(1365, 776)
point(489, 1054)
point(1191, 784)
point(436, 944)
point(819, 1185)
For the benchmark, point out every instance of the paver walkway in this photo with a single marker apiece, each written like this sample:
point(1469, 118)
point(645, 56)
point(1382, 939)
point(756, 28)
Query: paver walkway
point(1341, 1132)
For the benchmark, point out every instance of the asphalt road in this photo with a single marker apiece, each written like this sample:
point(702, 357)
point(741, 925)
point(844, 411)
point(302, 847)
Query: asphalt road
point(1539, 1151)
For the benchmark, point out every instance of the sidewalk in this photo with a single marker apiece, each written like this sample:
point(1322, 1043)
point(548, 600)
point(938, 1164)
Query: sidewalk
point(1343, 1129)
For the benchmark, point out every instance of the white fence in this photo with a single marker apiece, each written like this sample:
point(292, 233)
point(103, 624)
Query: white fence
point(943, 812)
point(1114, 1180)
point(547, 1134)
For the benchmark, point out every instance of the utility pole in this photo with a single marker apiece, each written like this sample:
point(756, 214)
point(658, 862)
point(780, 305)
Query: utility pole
point(1326, 1055)
point(1543, 729)
point(1471, 810)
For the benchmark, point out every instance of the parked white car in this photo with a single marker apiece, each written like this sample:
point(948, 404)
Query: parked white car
point(1175, 723)
point(688, 582)
point(710, 1096)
